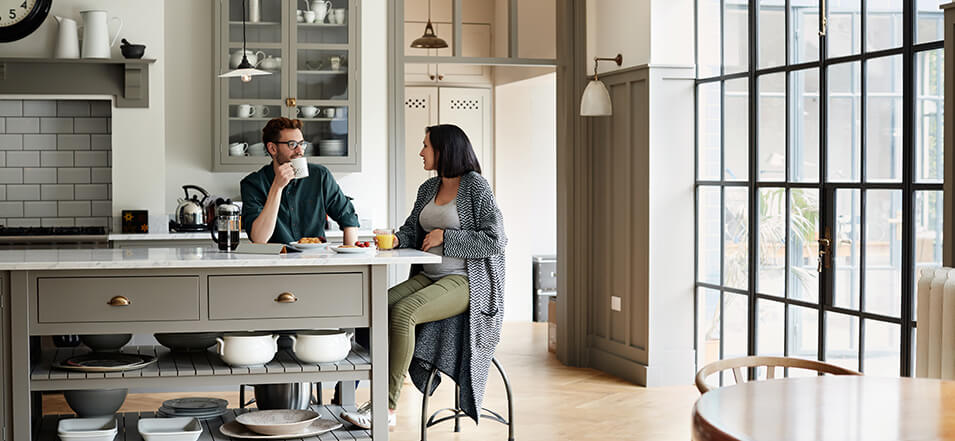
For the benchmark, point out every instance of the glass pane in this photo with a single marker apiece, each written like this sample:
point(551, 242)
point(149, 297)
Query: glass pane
point(928, 230)
point(930, 18)
point(322, 74)
point(772, 127)
point(882, 348)
point(708, 38)
point(884, 119)
point(804, 128)
point(883, 24)
point(804, 30)
point(327, 131)
point(847, 248)
point(266, 28)
point(735, 36)
point(803, 245)
point(772, 33)
point(736, 238)
point(709, 235)
point(883, 252)
point(771, 321)
point(708, 325)
point(844, 28)
point(772, 241)
point(735, 325)
point(842, 340)
point(803, 340)
point(261, 86)
point(736, 130)
point(328, 25)
point(929, 146)
point(844, 131)
point(708, 131)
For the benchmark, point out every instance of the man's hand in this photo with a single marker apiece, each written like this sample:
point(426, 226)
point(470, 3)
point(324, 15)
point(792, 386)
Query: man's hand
point(433, 239)
point(283, 175)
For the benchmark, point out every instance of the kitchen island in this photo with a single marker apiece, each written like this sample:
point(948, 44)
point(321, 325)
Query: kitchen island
point(149, 290)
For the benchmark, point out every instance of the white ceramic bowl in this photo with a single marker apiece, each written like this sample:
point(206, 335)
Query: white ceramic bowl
point(170, 429)
point(87, 429)
point(278, 422)
point(247, 349)
point(321, 346)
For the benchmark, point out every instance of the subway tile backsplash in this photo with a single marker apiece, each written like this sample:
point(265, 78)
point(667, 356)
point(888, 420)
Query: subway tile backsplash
point(55, 163)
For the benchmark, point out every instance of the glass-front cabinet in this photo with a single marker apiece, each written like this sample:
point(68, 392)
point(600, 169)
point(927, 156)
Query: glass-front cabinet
point(311, 50)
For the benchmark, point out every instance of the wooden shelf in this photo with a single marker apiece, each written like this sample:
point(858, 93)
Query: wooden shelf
point(196, 368)
point(127, 425)
point(321, 25)
point(259, 23)
point(127, 79)
point(322, 72)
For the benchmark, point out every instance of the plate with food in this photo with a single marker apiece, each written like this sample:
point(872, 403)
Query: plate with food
point(309, 243)
point(358, 247)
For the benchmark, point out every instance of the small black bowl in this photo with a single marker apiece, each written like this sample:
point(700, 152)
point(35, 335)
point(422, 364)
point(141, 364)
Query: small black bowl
point(133, 50)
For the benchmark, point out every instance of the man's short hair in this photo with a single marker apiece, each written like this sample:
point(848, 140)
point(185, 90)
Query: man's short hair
point(274, 127)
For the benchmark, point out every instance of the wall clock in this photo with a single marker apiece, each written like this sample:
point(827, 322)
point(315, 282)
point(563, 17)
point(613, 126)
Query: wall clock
point(19, 18)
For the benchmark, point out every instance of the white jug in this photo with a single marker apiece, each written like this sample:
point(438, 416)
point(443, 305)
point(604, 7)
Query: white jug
point(96, 41)
point(67, 42)
point(320, 8)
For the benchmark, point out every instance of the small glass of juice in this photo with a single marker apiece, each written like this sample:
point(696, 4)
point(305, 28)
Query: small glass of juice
point(385, 238)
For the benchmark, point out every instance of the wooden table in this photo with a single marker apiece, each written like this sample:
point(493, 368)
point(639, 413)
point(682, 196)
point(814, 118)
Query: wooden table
point(838, 408)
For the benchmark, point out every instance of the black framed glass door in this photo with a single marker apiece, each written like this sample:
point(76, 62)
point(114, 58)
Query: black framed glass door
point(819, 177)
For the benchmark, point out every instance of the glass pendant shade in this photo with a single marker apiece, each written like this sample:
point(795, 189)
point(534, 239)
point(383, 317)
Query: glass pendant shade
point(596, 100)
point(429, 40)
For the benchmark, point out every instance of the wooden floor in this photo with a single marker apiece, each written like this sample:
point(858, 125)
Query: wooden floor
point(552, 401)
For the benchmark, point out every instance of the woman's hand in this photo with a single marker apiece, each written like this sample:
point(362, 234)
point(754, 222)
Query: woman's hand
point(433, 239)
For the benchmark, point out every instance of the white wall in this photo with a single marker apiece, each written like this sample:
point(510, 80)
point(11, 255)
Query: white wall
point(526, 181)
point(138, 134)
point(618, 27)
point(672, 33)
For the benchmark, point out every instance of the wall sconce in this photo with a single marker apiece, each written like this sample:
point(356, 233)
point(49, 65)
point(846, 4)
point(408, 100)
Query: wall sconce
point(596, 98)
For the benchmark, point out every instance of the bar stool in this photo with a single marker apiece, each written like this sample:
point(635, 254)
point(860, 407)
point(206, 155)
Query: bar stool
point(457, 413)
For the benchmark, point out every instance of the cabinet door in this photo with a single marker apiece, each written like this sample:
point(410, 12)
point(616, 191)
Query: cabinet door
point(470, 109)
point(475, 42)
point(421, 111)
point(244, 107)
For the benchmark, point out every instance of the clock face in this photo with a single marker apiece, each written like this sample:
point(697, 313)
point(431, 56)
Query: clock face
point(15, 11)
point(19, 18)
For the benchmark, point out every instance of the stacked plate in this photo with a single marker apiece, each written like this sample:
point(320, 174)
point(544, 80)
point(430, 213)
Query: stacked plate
point(105, 362)
point(195, 407)
point(332, 147)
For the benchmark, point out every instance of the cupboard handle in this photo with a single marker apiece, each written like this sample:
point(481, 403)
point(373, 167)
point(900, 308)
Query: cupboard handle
point(440, 77)
point(432, 77)
point(290, 102)
point(119, 301)
point(286, 297)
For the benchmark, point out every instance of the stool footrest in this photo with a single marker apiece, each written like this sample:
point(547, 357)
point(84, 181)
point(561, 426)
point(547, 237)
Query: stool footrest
point(490, 414)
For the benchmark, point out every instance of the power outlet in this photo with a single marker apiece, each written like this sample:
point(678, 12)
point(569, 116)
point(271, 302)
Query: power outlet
point(614, 303)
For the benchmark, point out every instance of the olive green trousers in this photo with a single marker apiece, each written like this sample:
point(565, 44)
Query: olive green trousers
point(413, 302)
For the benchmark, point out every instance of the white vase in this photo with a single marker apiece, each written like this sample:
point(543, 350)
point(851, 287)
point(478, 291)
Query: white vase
point(254, 11)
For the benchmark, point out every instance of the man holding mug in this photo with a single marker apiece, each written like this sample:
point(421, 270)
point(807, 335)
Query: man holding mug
point(289, 198)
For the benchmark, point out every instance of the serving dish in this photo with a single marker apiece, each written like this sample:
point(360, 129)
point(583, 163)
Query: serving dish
point(87, 429)
point(277, 422)
point(170, 429)
point(235, 429)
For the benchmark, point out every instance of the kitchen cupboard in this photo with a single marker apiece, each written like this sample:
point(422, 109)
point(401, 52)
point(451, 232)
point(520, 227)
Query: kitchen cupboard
point(314, 77)
point(468, 108)
point(475, 42)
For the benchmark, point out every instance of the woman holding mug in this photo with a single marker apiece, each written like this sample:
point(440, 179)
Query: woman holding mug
point(457, 305)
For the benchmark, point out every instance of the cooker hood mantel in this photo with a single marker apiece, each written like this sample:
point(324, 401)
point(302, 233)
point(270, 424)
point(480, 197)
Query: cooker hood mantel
point(127, 79)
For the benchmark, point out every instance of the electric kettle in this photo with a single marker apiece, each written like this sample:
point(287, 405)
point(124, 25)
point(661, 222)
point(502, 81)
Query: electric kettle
point(190, 214)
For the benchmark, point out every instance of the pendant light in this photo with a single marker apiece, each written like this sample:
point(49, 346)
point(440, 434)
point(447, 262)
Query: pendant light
point(245, 70)
point(429, 40)
point(596, 98)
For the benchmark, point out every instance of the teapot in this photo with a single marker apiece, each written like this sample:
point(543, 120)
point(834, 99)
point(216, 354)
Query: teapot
point(270, 63)
point(253, 57)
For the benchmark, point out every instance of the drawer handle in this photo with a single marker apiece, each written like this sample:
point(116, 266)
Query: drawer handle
point(286, 297)
point(119, 301)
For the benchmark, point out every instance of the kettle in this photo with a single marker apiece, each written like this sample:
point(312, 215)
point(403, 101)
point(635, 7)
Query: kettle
point(226, 225)
point(190, 214)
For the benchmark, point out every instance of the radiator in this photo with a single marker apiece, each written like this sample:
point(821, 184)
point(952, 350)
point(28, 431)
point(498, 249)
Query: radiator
point(935, 318)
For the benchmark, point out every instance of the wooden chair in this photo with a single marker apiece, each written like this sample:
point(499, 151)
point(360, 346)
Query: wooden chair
point(771, 363)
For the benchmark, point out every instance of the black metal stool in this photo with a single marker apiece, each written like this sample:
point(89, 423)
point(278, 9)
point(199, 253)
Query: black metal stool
point(457, 413)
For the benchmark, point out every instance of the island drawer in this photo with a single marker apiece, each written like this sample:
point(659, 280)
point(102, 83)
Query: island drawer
point(88, 299)
point(267, 296)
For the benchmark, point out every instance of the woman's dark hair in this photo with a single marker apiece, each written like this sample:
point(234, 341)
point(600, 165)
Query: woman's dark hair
point(454, 155)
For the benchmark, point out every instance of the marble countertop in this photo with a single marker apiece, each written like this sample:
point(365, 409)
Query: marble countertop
point(338, 234)
point(195, 257)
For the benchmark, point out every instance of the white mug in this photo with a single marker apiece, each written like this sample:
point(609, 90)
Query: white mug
point(261, 110)
point(309, 16)
point(300, 165)
point(238, 149)
point(308, 111)
point(338, 16)
point(335, 62)
point(257, 149)
point(329, 112)
point(245, 111)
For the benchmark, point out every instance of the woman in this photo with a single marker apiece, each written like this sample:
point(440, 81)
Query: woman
point(455, 216)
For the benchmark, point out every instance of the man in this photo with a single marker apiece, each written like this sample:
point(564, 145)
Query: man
point(278, 208)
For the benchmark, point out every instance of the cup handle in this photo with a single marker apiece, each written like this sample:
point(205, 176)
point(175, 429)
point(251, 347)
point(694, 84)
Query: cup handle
point(251, 111)
point(294, 342)
point(265, 111)
point(275, 342)
point(245, 147)
point(259, 58)
point(220, 345)
point(118, 30)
